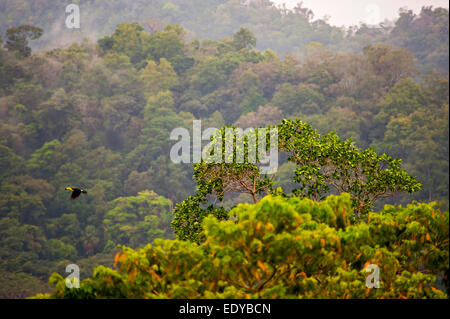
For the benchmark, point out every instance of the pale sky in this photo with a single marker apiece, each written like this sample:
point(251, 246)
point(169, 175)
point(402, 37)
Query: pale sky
point(352, 12)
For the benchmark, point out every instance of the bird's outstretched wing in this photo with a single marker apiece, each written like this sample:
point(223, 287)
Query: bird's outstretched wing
point(75, 193)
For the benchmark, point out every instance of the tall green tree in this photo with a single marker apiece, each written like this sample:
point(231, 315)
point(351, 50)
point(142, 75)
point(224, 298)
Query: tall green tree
point(17, 39)
point(136, 220)
point(326, 163)
point(244, 39)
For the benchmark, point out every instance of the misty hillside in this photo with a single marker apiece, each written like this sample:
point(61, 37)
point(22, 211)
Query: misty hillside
point(94, 108)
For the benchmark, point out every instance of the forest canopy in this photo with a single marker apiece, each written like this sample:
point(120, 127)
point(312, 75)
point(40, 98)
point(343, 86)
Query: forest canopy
point(97, 110)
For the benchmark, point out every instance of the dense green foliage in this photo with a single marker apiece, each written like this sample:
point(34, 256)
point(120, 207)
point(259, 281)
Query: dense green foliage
point(325, 163)
point(17, 39)
point(281, 248)
point(128, 222)
point(98, 113)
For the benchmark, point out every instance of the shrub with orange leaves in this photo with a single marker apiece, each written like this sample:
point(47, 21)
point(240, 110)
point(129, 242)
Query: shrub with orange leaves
point(286, 248)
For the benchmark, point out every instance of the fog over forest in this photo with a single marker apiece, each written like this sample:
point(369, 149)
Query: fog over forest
point(361, 112)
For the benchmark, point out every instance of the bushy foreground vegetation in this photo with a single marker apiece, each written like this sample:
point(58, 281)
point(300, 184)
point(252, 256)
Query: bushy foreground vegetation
point(285, 248)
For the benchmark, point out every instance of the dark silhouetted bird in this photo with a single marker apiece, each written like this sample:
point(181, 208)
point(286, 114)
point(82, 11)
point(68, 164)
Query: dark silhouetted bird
point(75, 192)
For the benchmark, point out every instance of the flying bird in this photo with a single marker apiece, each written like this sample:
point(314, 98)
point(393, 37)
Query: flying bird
point(75, 192)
